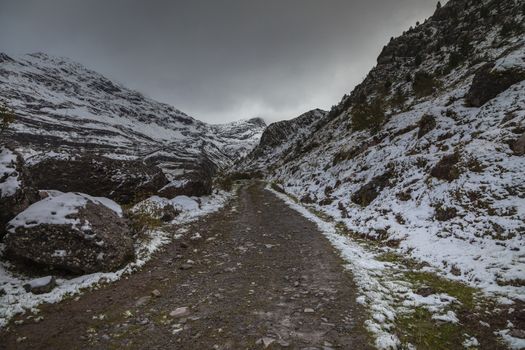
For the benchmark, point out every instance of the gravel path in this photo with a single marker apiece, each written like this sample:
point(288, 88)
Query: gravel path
point(260, 276)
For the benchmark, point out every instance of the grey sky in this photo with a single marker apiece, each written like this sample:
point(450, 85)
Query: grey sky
point(217, 60)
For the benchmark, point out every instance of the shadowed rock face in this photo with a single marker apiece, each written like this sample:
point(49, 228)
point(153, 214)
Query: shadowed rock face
point(366, 194)
point(488, 84)
point(123, 181)
point(446, 169)
point(519, 146)
point(102, 242)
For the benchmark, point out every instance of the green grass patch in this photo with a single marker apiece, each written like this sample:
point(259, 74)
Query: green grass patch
point(406, 262)
point(463, 293)
point(419, 329)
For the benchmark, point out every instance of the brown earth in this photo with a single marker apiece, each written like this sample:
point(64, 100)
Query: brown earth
point(261, 276)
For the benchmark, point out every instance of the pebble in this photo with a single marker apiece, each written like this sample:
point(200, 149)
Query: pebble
point(180, 312)
point(309, 310)
point(142, 301)
point(155, 293)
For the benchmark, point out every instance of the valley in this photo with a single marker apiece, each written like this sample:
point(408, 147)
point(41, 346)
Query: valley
point(394, 220)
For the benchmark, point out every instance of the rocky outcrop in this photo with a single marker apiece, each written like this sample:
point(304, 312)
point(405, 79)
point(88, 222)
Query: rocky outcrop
point(16, 191)
point(519, 146)
point(286, 137)
point(199, 182)
point(72, 232)
point(447, 168)
point(279, 132)
point(426, 125)
point(489, 83)
point(366, 194)
point(123, 181)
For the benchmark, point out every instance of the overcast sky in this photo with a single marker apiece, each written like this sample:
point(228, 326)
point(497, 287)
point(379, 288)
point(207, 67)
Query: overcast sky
point(217, 60)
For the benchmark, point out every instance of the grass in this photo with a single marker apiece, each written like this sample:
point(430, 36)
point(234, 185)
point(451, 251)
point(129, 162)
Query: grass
point(463, 293)
point(419, 329)
point(406, 262)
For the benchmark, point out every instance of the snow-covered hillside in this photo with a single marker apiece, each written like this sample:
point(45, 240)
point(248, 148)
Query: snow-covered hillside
point(279, 139)
point(64, 109)
point(427, 154)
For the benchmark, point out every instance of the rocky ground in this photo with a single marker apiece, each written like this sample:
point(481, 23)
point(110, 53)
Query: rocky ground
point(256, 274)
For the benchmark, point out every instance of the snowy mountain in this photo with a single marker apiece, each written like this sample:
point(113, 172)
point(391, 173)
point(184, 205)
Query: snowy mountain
point(280, 139)
point(426, 155)
point(65, 110)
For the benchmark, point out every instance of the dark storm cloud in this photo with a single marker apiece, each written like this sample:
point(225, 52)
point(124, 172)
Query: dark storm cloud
point(217, 60)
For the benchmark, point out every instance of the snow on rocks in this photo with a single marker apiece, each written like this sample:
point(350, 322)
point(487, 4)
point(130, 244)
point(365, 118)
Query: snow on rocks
point(83, 234)
point(15, 192)
point(15, 299)
point(10, 182)
point(167, 209)
point(41, 285)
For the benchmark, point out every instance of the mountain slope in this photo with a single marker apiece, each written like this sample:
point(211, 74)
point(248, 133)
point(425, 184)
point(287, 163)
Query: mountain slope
point(278, 139)
point(426, 155)
point(65, 110)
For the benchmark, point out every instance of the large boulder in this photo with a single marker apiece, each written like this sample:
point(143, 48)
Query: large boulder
point(16, 194)
point(124, 181)
point(198, 182)
point(490, 81)
point(71, 231)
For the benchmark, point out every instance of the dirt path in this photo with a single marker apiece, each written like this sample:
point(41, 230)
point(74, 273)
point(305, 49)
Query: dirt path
point(260, 276)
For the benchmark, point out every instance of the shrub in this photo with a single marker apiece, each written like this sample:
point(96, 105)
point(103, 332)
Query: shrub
point(423, 84)
point(399, 98)
point(368, 116)
point(510, 27)
point(144, 218)
point(6, 118)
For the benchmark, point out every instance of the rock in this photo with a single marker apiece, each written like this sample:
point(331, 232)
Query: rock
point(489, 83)
point(308, 310)
point(265, 341)
point(142, 301)
point(426, 124)
point(16, 192)
point(180, 312)
point(41, 285)
point(119, 180)
point(155, 293)
point(198, 182)
point(517, 333)
point(71, 231)
point(519, 146)
point(425, 291)
point(446, 169)
point(366, 194)
point(186, 266)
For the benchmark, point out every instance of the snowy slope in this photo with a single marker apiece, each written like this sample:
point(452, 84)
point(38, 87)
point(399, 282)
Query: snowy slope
point(64, 107)
point(432, 172)
point(279, 139)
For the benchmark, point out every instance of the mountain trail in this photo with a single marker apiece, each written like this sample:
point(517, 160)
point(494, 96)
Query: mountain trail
point(254, 275)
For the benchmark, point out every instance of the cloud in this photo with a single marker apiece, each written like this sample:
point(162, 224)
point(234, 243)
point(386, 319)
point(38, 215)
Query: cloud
point(218, 60)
